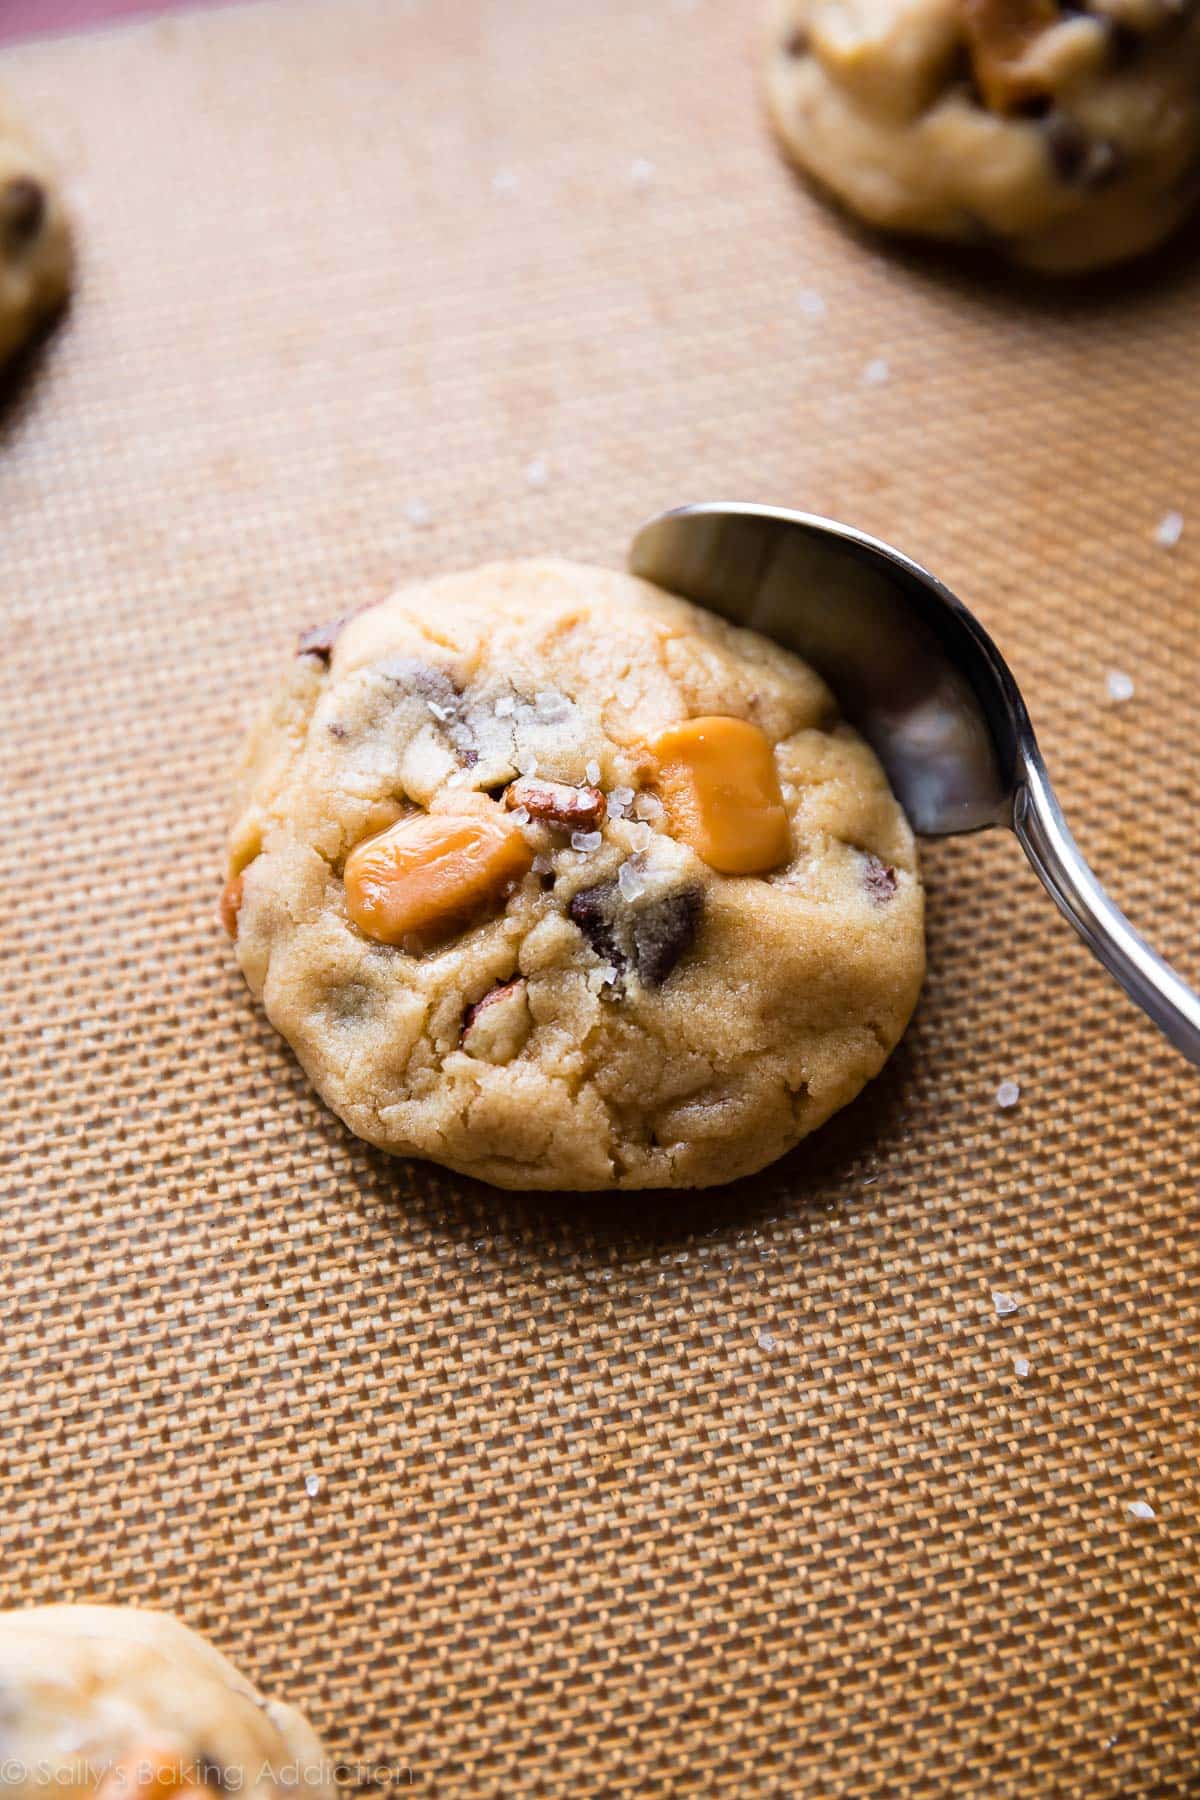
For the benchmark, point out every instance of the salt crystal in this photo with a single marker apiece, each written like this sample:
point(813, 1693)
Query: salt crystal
point(505, 706)
point(623, 796)
point(1022, 1366)
point(766, 1340)
point(641, 171)
point(417, 514)
point(593, 772)
point(457, 779)
point(641, 836)
point(630, 880)
point(1169, 530)
point(586, 841)
point(1140, 1509)
point(312, 1486)
point(1007, 1095)
point(876, 372)
point(542, 865)
point(1120, 685)
point(506, 181)
point(604, 976)
point(439, 712)
point(536, 473)
point(811, 304)
point(551, 707)
point(526, 764)
point(520, 815)
point(648, 806)
point(1005, 1304)
point(615, 809)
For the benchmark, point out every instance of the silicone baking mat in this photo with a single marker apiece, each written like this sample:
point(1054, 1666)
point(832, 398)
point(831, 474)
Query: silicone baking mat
point(752, 1493)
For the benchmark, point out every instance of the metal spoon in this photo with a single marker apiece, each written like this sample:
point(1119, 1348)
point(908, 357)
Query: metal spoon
point(926, 686)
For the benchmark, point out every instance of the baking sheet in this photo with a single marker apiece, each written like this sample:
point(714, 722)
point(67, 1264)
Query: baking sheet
point(738, 1494)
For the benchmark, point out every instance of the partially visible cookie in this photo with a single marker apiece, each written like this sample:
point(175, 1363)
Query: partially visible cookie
point(557, 880)
point(1063, 133)
point(35, 242)
point(110, 1702)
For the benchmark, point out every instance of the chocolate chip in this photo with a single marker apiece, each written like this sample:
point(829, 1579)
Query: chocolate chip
point(593, 910)
point(1032, 106)
point(22, 210)
point(663, 931)
point(796, 44)
point(1078, 158)
point(651, 935)
point(879, 879)
point(338, 730)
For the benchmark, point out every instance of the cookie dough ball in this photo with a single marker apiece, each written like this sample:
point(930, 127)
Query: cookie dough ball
point(126, 1705)
point(1066, 135)
point(35, 243)
point(551, 877)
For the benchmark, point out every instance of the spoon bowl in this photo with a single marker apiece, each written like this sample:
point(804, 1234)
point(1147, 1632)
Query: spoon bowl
point(923, 682)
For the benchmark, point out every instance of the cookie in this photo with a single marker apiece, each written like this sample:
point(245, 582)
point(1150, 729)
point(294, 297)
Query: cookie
point(35, 242)
point(561, 882)
point(132, 1705)
point(1066, 136)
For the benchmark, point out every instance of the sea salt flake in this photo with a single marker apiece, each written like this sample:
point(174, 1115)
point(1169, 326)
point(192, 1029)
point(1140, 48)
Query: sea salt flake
point(542, 865)
point(505, 706)
point(615, 809)
point(457, 779)
point(1007, 1095)
point(1140, 1509)
point(439, 712)
point(641, 836)
point(876, 372)
point(648, 807)
point(587, 841)
point(1022, 1365)
point(520, 815)
point(417, 514)
point(630, 880)
point(1120, 685)
point(551, 707)
point(536, 473)
point(312, 1486)
point(1005, 1304)
point(526, 764)
point(622, 795)
point(593, 772)
point(1169, 530)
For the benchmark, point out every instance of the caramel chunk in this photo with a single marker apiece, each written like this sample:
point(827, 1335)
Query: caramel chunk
point(718, 781)
point(1000, 34)
point(556, 803)
point(429, 874)
point(149, 1772)
point(231, 904)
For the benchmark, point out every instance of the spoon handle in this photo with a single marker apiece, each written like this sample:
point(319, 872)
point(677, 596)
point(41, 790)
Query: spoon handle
point(1044, 835)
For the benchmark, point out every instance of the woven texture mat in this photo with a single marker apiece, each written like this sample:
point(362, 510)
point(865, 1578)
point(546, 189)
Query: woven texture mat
point(740, 1494)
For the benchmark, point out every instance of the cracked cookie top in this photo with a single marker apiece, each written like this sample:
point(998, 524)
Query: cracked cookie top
point(561, 882)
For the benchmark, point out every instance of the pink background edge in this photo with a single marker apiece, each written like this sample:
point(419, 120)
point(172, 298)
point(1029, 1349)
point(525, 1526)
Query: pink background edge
point(47, 18)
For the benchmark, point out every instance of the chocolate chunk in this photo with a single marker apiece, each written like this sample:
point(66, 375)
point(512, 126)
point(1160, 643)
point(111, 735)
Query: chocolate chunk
point(650, 935)
point(1077, 158)
point(557, 803)
point(663, 930)
point(22, 210)
point(593, 910)
point(796, 44)
point(879, 879)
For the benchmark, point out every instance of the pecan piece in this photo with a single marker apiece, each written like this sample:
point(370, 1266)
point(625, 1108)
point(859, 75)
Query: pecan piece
point(556, 803)
point(495, 1029)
